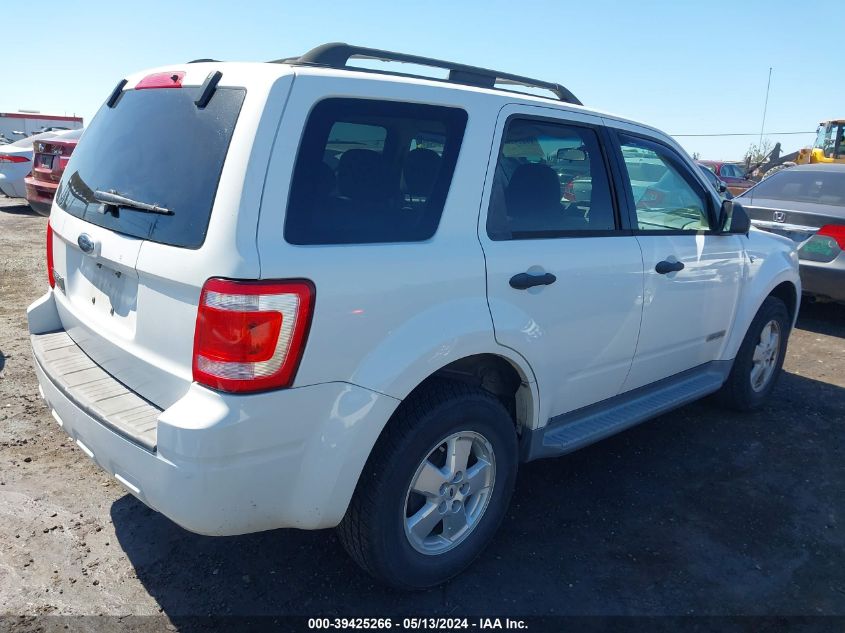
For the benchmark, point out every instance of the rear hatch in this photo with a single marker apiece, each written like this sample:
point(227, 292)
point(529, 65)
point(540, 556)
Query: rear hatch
point(129, 276)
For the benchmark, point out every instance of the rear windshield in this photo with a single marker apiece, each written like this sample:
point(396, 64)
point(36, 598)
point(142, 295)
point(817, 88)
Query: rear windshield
point(157, 147)
point(822, 187)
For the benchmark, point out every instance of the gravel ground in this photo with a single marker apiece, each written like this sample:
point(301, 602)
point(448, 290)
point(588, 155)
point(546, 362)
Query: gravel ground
point(701, 511)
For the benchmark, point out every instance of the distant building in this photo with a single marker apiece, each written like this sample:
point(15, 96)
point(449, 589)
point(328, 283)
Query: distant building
point(16, 125)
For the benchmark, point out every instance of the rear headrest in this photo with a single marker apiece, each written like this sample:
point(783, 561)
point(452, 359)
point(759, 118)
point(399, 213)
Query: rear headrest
point(361, 175)
point(324, 180)
point(533, 187)
point(420, 171)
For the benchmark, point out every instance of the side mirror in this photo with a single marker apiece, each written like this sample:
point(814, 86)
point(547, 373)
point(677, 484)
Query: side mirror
point(733, 218)
point(722, 188)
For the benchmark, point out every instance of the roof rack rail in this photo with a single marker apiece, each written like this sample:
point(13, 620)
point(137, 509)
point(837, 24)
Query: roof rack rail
point(337, 54)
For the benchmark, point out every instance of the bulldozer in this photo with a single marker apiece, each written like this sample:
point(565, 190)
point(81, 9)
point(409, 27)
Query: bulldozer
point(829, 146)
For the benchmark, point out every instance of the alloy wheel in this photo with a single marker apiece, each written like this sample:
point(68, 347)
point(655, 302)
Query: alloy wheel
point(449, 492)
point(765, 358)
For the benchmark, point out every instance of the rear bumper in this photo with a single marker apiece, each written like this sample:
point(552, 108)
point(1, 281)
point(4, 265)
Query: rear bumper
point(226, 464)
point(40, 194)
point(824, 280)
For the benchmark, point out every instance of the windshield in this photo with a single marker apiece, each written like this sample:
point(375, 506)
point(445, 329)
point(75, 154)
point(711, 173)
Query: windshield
point(157, 147)
point(822, 187)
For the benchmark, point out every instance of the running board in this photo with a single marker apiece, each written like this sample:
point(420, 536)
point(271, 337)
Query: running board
point(570, 431)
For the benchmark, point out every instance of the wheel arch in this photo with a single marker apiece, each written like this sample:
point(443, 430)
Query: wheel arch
point(786, 286)
point(787, 292)
point(499, 375)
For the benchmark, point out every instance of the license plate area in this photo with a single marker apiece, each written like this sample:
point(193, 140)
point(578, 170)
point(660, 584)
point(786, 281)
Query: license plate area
point(45, 161)
point(105, 294)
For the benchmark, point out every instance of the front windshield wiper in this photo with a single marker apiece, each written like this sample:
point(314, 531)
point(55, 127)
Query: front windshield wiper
point(113, 199)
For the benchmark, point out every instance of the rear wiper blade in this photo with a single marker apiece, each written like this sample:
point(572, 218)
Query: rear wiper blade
point(112, 198)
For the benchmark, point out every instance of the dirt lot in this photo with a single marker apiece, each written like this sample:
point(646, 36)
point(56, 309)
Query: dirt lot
point(698, 512)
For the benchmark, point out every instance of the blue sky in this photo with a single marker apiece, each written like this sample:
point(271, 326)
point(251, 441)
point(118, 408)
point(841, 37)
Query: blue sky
point(687, 67)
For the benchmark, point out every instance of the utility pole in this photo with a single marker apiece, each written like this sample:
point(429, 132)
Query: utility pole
point(765, 107)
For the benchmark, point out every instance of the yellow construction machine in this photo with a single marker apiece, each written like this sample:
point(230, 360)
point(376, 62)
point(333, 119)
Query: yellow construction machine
point(829, 146)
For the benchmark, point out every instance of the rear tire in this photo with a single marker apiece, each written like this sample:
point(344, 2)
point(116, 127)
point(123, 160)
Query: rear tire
point(760, 358)
point(419, 517)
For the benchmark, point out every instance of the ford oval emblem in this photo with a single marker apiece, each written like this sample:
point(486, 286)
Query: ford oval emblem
point(85, 243)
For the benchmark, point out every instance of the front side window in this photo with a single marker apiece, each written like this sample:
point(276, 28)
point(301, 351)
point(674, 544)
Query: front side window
point(372, 171)
point(663, 191)
point(550, 180)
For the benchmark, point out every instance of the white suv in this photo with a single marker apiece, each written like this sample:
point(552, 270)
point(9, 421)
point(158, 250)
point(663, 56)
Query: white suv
point(301, 294)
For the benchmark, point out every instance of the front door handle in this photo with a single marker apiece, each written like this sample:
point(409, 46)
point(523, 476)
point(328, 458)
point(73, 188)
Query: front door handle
point(523, 281)
point(665, 267)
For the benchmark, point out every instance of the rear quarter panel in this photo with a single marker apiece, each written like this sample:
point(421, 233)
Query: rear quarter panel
point(388, 315)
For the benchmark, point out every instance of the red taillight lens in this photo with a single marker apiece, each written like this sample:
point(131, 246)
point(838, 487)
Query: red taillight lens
point(836, 231)
point(161, 80)
point(12, 158)
point(238, 337)
point(51, 277)
point(250, 335)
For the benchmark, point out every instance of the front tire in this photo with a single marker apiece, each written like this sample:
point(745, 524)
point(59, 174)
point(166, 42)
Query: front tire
point(435, 488)
point(760, 358)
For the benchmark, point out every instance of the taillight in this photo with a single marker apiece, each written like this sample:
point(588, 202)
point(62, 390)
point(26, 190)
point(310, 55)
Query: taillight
point(250, 335)
point(836, 231)
point(569, 191)
point(12, 158)
point(825, 245)
point(51, 277)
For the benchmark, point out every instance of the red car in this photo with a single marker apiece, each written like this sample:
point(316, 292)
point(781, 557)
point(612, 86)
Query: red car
point(732, 174)
point(48, 163)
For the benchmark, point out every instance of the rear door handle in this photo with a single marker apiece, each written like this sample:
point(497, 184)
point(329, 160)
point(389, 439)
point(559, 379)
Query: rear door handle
point(665, 267)
point(523, 281)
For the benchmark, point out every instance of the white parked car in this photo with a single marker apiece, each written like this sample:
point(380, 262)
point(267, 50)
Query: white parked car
point(16, 163)
point(312, 295)
point(16, 160)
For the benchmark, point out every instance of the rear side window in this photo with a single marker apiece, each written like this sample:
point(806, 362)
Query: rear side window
point(155, 146)
point(372, 171)
point(550, 181)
